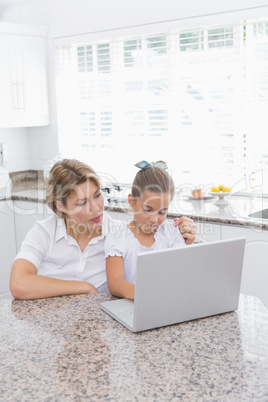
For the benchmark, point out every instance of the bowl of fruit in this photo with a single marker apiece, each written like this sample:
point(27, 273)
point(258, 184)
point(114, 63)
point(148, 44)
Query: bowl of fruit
point(221, 191)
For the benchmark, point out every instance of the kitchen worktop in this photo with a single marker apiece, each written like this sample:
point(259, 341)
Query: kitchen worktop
point(235, 213)
point(67, 349)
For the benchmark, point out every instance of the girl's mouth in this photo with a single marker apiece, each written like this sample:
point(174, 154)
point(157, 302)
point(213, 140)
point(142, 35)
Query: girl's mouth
point(151, 227)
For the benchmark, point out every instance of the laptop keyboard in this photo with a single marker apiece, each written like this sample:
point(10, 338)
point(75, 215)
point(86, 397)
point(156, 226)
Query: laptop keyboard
point(127, 316)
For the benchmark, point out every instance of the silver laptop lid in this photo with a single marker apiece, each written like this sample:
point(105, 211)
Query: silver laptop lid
point(176, 285)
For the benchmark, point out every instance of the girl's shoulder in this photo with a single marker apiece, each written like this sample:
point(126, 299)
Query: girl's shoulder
point(115, 228)
point(116, 239)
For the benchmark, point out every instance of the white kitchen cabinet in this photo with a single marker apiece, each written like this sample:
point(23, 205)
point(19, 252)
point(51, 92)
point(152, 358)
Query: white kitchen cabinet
point(23, 83)
point(26, 213)
point(255, 269)
point(7, 245)
point(206, 231)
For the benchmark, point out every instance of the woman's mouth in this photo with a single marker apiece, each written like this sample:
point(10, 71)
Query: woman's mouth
point(97, 219)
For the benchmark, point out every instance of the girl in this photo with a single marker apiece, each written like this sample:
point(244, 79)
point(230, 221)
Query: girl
point(152, 192)
point(64, 254)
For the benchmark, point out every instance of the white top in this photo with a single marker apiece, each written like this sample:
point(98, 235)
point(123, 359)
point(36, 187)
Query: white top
point(56, 254)
point(126, 245)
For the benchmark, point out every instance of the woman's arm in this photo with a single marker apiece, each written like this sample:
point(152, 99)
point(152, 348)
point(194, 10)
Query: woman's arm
point(118, 286)
point(187, 228)
point(26, 284)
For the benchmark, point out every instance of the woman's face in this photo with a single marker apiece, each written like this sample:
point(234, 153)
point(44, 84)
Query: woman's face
point(85, 206)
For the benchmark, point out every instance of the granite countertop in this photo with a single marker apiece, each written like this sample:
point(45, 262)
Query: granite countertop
point(67, 349)
point(235, 213)
point(29, 186)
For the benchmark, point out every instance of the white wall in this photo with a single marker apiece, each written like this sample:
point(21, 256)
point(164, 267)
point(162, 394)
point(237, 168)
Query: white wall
point(76, 17)
point(17, 141)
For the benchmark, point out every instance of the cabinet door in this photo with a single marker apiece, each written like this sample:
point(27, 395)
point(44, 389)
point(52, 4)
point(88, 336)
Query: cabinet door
point(26, 214)
point(32, 86)
point(23, 95)
point(7, 245)
point(255, 269)
point(8, 93)
point(206, 232)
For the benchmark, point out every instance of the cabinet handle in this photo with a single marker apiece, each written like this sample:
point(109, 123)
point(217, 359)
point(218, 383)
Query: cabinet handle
point(21, 95)
point(15, 95)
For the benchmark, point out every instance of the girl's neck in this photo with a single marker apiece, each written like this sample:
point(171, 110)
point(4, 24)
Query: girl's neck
point(145, 239)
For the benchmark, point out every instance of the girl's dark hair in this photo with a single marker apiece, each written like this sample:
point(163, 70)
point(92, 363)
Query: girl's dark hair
point(152, 179)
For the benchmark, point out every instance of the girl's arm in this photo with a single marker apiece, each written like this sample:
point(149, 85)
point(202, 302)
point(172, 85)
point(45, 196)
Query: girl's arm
point(118, 286)
point(26, 284)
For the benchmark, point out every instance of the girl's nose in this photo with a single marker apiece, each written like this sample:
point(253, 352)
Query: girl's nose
point(154, 218)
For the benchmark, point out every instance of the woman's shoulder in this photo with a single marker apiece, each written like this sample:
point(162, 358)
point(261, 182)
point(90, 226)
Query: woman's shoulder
point(50, 223)
point(41, 233)
point(48, 228)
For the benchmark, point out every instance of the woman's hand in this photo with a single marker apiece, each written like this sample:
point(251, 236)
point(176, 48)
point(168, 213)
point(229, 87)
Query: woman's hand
point(187, 228)
point(90, 289)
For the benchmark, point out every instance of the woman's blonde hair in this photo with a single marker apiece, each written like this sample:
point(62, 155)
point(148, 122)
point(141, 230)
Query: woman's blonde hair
point(63, 179)
point(152, 179)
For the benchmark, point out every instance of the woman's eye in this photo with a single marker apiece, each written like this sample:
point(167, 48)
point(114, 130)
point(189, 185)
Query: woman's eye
point(98, 195)
point(162, 212)
point(81, 204)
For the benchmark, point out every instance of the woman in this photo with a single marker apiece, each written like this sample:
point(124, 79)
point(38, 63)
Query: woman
point(64, 254)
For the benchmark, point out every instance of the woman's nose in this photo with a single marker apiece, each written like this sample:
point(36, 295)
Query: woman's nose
point(94, 207)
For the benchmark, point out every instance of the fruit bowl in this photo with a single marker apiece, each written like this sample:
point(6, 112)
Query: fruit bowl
point(221, 202)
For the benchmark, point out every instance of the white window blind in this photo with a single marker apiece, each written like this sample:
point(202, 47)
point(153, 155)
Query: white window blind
point(196, 98)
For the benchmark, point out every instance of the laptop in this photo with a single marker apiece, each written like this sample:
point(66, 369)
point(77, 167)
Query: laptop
point(181, 284)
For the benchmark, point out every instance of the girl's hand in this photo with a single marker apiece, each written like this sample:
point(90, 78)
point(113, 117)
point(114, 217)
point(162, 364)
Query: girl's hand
point(187, 228)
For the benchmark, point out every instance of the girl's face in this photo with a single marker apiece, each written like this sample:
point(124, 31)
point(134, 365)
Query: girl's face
point(150, 211)
point(85, 206)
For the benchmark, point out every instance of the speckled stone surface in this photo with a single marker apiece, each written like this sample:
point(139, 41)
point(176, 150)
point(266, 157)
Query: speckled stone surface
point(26, 175)
point(67, 349)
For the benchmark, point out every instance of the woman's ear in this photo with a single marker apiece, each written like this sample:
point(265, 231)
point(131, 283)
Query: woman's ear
point(130, 200)
point(58, 204)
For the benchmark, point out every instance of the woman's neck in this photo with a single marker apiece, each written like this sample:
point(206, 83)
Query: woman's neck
point(81, 232)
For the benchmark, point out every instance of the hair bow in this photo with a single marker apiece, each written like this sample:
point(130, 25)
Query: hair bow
point(145, 165)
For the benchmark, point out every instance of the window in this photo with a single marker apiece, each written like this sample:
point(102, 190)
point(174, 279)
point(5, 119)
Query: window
point(195, 98)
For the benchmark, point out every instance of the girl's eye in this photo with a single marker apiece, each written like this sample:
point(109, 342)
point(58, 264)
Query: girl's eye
point(162, 212)
point(81, 204)
point(147, 210)
point(98, 195)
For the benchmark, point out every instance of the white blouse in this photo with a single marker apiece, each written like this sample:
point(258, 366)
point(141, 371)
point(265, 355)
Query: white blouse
point(126, 245)
point(57, 255)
